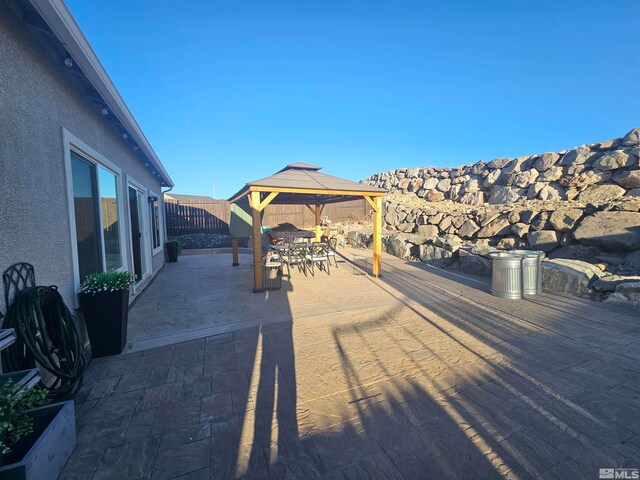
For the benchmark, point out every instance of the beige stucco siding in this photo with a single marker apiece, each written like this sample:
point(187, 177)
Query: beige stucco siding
point(37, 101)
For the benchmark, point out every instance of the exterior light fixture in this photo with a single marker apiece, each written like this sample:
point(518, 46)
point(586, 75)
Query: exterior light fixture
point(146, 164)
point(68, 62)
point(135, 147)
point(105, 111)
point(125, 135)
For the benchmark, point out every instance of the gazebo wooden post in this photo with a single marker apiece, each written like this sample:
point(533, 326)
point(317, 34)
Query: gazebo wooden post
point(234, 251)
point(377, 237)
point(254, 203)
point(317, 212)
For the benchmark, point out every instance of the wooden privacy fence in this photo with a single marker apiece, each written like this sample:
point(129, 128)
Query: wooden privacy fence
point(301, 217)
point(213, 217)
point(185, 218)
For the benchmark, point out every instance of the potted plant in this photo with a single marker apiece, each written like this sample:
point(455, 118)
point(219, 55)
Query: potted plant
point(173, 250)
point(104, 298)
point(35, 443)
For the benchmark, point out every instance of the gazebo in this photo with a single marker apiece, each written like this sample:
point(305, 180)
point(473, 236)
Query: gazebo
point(303, 184)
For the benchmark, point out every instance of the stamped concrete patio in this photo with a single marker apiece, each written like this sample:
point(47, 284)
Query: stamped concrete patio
point(419, 374)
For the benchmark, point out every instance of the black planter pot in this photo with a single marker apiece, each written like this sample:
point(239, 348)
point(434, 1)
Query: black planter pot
point(172, 252)
point(106, 315)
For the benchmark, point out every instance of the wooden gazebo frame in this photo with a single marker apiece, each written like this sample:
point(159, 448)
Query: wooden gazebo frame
point(303, 184)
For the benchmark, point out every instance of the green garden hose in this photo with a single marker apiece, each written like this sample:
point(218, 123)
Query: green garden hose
point(47, 336)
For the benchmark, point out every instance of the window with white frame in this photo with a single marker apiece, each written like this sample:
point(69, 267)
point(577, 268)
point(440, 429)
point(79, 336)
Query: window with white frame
point(95, 203)
point(154, 215)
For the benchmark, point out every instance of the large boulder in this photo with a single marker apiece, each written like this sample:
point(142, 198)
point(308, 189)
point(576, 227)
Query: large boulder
point(609, 283)
point(632, 138)
point(610, 230)
point(564, 219)
point(526, 178)
point(551, 175)
point(499, 227)
point(430, 183)
point(632, 262)
point(575, 252)
point(435, 196)
point(584, 179)
point(625, 294)
point(613, 160)
point(360, 239)
point(568, 276)
point(520, 229)
point(473, 198)
point(501, 194)
point(407, 227)
point(544, 240)
point(427, 231)
point(552, 191)
point(601, 193)
point(520, 164)
point(444, 185)
point(546, 161)
point(436, 256)
point(476, 260)
point(499, 163)
point(628, 179)
point(491, 179)
point(399, 247)
point(468, 229)
point(577, 156)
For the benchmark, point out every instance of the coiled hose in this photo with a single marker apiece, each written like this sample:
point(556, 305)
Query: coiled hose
point(47, 335)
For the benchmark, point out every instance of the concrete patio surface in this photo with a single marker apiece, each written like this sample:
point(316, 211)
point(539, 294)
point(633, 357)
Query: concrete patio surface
point(418, 374)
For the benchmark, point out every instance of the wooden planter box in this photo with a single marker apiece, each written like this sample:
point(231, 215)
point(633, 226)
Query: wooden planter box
point(106, 316)
point(43, 454)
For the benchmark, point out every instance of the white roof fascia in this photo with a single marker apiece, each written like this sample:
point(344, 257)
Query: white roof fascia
point(56, 14)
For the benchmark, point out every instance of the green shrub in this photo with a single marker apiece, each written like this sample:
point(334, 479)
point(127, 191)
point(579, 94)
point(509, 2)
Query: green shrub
point(14, 421)
point(177, 244)
point(107, 282)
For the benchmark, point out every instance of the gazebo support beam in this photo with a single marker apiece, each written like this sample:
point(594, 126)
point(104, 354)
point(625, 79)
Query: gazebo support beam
point(234, 251)
point(318, 213)
point(254, 203)
point(377, 236)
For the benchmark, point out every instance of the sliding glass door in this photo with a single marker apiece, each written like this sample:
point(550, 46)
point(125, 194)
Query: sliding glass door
point(97, 217)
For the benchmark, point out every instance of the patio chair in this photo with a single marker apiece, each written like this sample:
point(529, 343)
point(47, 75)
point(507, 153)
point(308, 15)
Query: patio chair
point(318, 255)
point(332, 244)
point(296, 255)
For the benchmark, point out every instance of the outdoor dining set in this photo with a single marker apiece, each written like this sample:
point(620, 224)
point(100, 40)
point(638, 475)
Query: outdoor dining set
point(298, 250)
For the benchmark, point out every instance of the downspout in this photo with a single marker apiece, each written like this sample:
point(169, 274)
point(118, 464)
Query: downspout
point(164, 216)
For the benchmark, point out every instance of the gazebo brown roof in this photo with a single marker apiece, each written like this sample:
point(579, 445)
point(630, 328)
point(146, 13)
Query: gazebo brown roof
point(303, 184)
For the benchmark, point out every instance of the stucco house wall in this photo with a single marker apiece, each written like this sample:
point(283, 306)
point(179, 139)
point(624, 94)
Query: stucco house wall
point(38, 102)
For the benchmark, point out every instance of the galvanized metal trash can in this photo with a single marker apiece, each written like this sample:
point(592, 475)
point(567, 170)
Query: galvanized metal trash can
point(531, 271)
point(506, 276)
point(272, 277)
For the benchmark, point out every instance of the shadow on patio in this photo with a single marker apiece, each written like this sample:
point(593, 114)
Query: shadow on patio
point(410, 376)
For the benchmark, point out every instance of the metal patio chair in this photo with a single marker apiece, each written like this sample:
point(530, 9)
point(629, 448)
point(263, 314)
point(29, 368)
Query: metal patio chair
point(318, 255)
point(296, 255)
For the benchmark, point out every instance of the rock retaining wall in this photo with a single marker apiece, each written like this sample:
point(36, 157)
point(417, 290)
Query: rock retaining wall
point(581, 207)
point(589, 173)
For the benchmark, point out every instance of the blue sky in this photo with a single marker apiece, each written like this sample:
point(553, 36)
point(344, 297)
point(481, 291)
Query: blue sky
point(230, 91)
